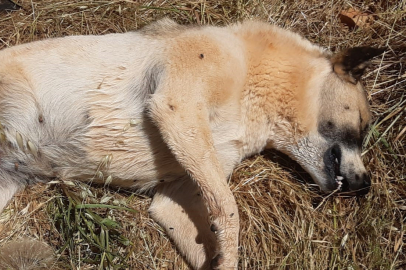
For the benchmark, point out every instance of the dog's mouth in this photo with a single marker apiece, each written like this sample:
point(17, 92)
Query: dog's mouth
point(332, 161)
point(337, 176)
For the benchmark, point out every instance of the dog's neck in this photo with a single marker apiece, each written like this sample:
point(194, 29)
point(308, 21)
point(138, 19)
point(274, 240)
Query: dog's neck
point(278, 97)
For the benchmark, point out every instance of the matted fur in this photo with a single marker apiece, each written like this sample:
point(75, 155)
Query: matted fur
point(176, 109)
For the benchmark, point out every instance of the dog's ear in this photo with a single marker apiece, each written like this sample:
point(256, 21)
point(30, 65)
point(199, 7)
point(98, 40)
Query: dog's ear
point(350, 64)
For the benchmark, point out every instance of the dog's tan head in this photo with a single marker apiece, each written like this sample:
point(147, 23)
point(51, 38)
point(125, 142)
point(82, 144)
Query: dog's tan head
point(330, 150)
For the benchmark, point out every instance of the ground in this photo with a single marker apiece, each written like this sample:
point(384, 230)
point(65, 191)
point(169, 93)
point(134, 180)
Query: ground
point(286, 223)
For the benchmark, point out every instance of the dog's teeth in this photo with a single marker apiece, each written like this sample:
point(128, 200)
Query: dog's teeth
point(339, 178)
point(336, 160)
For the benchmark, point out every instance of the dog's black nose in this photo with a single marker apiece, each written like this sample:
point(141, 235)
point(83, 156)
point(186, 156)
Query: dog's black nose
point(366, 184)
point(366, 179)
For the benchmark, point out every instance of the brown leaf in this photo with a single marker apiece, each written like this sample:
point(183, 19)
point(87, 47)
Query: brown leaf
point(355, 18)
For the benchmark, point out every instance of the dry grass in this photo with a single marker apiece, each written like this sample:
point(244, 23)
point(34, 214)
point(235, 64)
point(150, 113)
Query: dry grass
point(286, 223)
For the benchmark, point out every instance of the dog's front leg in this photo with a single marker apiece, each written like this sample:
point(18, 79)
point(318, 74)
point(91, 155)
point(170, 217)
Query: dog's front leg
point(179, 208)
point(184, 124)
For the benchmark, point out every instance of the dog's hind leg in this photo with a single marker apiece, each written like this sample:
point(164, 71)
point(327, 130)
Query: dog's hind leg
point(178, 207)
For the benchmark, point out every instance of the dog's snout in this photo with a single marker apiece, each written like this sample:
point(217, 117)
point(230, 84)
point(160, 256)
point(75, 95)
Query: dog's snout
point(365, 185)
point(363, 179)
point(366, 179)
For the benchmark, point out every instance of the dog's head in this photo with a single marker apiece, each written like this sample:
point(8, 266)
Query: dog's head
point(331, 148)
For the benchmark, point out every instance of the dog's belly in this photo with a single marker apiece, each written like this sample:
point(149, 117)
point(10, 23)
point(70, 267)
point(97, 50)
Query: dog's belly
point(115, 143)
point(80, 113)
point(132, 152)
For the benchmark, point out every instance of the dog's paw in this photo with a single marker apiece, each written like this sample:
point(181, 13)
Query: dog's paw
point(219, 263)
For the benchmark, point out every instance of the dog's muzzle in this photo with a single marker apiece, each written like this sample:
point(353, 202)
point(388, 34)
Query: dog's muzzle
point(345, 182)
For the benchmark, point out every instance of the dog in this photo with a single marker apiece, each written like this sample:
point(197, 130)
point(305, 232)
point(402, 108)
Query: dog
point(174, 109)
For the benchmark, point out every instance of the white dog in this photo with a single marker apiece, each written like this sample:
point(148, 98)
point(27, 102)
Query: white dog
point(176, 108)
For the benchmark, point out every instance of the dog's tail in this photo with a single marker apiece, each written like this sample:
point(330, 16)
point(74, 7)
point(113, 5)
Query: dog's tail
point(26, 254)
